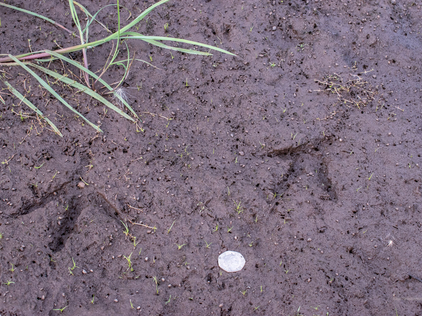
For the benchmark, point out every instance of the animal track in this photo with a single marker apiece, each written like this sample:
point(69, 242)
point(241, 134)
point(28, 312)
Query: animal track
point(302, 159)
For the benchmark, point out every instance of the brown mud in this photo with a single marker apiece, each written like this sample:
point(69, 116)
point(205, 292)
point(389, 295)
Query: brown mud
point(303, 153)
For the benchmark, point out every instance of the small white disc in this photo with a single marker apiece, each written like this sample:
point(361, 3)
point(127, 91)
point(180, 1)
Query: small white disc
point(231, 261)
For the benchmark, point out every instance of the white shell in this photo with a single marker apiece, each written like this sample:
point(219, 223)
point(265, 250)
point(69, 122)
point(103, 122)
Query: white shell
point(231, 261)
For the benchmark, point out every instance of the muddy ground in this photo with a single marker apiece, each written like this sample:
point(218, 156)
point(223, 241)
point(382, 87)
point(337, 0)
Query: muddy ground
point(303, 153)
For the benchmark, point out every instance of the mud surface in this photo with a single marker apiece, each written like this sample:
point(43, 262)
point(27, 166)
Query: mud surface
point(303, 153)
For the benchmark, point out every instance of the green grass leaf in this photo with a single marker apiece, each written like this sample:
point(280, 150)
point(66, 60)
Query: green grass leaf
point(93, 18)
point(142, 15)
point(83, 89)
point(75, 18)
point(134, 35)
point(37, 15)
point(181, 50)
point(76, 64)
point(54, 93)
point(32, 106)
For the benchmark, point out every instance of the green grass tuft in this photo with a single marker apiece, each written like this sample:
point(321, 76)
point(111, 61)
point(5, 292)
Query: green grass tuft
point(123, 33)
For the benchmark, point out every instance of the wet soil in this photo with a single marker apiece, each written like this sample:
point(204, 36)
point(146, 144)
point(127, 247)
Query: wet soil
point(303, 153)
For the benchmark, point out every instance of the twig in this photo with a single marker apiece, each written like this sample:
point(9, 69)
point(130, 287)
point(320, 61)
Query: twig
point(111, 204)
point(416, 278)
point(153, 115)
point(143, 225)
point(135, 208)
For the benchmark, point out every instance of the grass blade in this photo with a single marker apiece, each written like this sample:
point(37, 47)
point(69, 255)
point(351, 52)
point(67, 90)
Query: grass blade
point(32, 107)
point(82, 88)
point(181, 50)
point(76, 64)
point(75, 17)
point(116, 51)
point(134, 35)
point(81, 35)
point(54, 93)
point(126, 67)
point(37, 15)
point(93, 17)
point(144, 61)
point(142, 15)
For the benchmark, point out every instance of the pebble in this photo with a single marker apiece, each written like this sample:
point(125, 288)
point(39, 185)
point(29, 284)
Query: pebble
point(81, 185)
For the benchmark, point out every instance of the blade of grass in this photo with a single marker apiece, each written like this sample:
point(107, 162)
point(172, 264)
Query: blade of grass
point(144, 61)
point(116, 50)
point(54, 93)
point(31, 106)
point(81, 35)
point(126, 67)
point(76, 64)
point(162, 45)
point(142, 15)
point(182, 50)
point(75, 18)
point(82, 88)
point(38, 16)
point(134, 35)
point(93, 17)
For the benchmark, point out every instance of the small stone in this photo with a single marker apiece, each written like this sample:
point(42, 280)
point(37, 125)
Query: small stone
point(241, 153)
point(81, 185)
point(84, 271)
point(116, 300)
point(274, 28)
